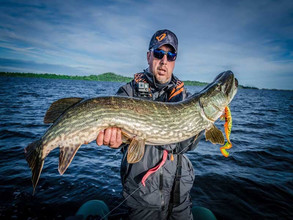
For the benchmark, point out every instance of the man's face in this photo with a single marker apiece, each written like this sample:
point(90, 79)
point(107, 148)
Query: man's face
point(161, 68)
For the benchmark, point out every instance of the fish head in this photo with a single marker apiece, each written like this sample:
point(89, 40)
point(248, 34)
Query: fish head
point(217, 95)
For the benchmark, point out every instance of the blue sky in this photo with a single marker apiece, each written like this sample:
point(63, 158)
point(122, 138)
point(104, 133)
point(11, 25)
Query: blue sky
point(252, 38)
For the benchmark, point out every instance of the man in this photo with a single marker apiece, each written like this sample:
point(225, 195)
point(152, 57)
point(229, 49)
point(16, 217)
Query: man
point(166, 191)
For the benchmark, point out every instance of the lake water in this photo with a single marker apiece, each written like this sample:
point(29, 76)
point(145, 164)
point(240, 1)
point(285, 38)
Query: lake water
point(254, 182)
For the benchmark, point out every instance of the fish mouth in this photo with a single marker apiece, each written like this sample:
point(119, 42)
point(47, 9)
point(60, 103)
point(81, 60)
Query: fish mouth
point(227, 83)
point(224, 83)
point(232, 88)
point(236, 82)
point(217, 95)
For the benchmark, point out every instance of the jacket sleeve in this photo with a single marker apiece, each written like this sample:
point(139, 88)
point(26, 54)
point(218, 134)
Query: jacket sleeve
point(126, 90)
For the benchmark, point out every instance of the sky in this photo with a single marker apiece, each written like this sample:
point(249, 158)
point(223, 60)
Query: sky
point(253, 38)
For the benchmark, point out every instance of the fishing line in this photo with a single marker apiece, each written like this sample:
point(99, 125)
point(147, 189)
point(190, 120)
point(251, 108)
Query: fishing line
point(195, 138)
point(123, 201)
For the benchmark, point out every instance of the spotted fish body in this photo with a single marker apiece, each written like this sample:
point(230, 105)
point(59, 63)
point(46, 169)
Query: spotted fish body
point(76, 122)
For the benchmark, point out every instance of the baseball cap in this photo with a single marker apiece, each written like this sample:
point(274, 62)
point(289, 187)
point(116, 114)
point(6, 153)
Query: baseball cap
point(163, 37)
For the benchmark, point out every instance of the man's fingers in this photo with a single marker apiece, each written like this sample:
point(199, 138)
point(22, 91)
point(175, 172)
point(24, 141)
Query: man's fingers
point(110, 137)
point(113, 137)
point(107, 136)
point(117, 139)
point(100, 138)
point(119, 136)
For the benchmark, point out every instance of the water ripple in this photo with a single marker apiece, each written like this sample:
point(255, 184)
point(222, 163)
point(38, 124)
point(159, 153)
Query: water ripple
point(254, 182)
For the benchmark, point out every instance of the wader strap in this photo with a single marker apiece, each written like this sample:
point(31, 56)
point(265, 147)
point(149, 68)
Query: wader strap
point(175, 194)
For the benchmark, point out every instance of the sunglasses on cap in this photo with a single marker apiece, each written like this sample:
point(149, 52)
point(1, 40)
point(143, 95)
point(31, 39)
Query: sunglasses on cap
point(159, 54)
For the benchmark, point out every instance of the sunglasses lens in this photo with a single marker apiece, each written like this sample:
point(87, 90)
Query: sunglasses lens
point(171, 56)
point(159, 54)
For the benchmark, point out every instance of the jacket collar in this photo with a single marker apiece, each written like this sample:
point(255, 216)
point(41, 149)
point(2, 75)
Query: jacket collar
point(158, 86)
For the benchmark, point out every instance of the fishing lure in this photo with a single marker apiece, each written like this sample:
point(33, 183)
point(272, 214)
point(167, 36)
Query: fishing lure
point(228, 127)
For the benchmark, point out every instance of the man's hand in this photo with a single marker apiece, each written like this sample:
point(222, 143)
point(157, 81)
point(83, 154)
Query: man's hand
point(110, 137)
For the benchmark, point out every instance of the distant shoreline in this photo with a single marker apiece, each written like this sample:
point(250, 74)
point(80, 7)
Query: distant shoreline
point(106, 77)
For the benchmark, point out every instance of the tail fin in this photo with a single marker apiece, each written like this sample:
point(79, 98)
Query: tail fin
point(33, 156)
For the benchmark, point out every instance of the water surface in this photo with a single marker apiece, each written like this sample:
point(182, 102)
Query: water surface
point(254, 182)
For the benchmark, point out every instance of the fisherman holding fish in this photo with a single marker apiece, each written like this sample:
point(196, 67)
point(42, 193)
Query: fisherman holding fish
point(151, 124)
point(166, 172)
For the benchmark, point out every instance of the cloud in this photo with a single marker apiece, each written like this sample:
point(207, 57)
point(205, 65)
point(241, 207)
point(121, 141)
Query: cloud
point(252, 38)
point(99, 36)
point(10, 65)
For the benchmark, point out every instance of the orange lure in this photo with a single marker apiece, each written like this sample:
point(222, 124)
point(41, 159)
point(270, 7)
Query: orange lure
point(228, 127)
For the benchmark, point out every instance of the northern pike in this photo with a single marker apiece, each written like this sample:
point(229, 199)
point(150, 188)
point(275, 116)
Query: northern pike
point(77, 121)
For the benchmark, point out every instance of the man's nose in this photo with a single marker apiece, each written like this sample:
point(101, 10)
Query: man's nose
point(164, 59)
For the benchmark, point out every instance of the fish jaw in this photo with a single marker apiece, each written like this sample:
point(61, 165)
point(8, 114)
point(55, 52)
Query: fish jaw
point(218, 95)
point(228, 85)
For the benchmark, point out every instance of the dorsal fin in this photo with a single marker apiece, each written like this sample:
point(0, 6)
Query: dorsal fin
point(59, 107)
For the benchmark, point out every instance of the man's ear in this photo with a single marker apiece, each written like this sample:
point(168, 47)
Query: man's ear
point(149, 56)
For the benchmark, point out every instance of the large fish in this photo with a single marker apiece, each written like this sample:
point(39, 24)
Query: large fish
point(77, 121)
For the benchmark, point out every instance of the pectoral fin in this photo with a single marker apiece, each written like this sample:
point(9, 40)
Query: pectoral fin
point(215, 136)
point(135, 150)
point(126, 138)
point(66, 155)
point(58, 108)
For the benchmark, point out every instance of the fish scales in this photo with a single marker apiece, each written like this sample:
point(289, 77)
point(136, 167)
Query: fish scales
point(129, 117)
point(130, 120)
point(142, 121)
